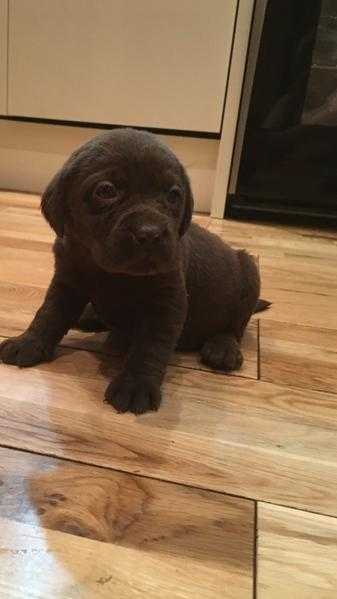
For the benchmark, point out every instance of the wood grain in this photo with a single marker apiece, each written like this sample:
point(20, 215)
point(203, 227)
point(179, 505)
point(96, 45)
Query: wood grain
point(297, 554)
point(299, 356)
point(303, 290)
point(10, 199)
point(234, 435)
point(273, 440)
point(277, 239)
point(298, 269)
point(107, 532)
point(36, 564)
point(25, 223)
point(25, 266)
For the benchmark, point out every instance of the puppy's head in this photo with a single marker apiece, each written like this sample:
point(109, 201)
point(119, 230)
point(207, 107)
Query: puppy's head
point(126, 198)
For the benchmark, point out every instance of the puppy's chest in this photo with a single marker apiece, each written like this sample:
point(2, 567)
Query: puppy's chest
point(116, 300)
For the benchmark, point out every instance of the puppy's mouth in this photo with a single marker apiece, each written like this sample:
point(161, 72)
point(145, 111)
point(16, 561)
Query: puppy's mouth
point(145, 263)
point(148, 266)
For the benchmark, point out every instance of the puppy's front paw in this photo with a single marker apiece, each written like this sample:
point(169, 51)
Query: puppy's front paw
point(25, 350)
point(133, 394)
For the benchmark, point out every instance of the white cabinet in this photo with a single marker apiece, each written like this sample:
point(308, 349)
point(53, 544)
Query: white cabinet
point(151, 63)
point(3, 56)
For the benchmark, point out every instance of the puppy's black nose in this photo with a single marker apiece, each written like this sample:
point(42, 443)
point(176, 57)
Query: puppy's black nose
point(149, 234)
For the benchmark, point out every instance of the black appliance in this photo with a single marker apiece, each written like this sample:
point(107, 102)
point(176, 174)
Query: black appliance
point(286, 164)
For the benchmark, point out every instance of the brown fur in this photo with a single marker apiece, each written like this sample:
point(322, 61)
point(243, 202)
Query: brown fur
point(128, 248)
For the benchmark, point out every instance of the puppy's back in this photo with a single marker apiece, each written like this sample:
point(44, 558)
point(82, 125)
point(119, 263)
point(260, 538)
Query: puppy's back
point(213, 281)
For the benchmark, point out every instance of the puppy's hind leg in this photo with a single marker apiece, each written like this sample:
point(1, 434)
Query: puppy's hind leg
point(222, 352)
point(249, 295)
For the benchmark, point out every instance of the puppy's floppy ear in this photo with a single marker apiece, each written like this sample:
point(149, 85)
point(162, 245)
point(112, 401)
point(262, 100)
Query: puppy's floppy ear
point(53, 201)
point(189, 204)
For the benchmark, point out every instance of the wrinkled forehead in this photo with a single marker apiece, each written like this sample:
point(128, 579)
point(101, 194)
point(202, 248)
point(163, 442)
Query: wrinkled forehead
point(137, 167)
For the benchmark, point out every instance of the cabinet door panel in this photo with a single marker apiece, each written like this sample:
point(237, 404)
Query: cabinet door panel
point(151, 63)
point(3, 56)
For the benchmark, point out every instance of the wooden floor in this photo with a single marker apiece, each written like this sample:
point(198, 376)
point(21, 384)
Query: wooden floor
point(229, 491)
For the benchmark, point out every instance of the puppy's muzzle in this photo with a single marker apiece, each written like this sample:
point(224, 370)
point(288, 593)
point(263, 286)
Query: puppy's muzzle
point(149, 235)
point(144, 230)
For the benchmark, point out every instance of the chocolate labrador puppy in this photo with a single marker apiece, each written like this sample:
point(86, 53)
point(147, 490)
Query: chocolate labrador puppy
point(121, 208)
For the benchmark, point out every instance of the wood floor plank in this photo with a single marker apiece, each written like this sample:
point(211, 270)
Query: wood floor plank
point(69, 530)
point(233, 435)
point(297, 554)
point(277, 239)
point(26, 244)
point(265, 440)
point(204, 220)
point(37, 564)
point(303, 290)
point(20, 199)
point(25, 224)
point(25, 266)
point(18, 304)
point(298, 355)
point(298, 269)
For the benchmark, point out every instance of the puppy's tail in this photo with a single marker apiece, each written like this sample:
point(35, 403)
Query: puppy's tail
point(262, 305)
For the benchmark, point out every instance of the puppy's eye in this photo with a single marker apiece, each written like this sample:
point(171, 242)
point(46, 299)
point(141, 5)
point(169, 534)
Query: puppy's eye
point(105, 190)
point(174, 195)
